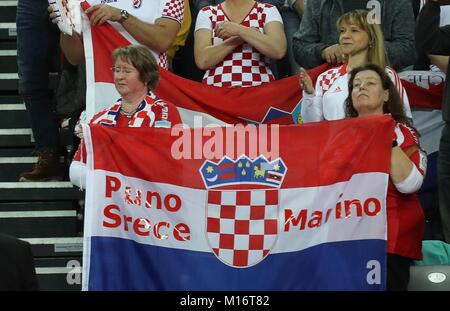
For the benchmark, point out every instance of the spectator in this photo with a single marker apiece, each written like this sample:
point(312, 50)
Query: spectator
point(291, 12)
point(135, 76)
point(371, 92)
point(244, 35)
point(316, 41)
point(37, 55)
point(17, 272)
point(361, 42)
point(153, 24)
point(182, 35)
point(432, 39)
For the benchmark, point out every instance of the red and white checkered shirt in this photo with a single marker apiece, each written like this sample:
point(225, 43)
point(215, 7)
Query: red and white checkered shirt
point(245, 66)
point(148, 12)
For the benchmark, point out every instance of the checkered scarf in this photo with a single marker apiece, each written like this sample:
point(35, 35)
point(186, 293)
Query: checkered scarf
point(110, 115)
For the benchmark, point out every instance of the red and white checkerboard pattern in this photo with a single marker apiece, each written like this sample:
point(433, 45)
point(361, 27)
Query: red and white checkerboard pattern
point(174, 9)
point(163, 61)
point(327, 78)
point(245, 66)
point(242, 226)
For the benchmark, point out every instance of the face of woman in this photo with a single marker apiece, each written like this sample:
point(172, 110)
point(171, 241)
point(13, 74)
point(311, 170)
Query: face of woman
point(353, 39)
point(368, 95)
point(126, 78)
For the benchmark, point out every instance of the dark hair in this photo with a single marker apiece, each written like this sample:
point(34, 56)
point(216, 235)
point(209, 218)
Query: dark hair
point(143, 60)
point(394, 104)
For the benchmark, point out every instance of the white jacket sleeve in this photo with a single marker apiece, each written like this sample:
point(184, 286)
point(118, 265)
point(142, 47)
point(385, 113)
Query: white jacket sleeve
point(412, 183)
point(77, 174)
point(312, 105)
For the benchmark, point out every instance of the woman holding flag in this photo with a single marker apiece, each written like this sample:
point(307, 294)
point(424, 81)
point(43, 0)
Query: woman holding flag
point(135, 76)
point(371, 92)
point(362, 43)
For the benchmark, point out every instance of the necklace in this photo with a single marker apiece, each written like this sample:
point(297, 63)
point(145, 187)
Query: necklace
point(126, 113)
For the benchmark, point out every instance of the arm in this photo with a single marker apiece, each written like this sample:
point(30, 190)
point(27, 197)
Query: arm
point(77, 170)
point(405, 175)
point(400, 46)
point(408, 162)
point(401, 165)
point(298, 6)
point(271, 43)
point(158, 37)
point(208, 55)
point(77, 174)
point(430, 38)
point(312, 106)
point(440, 61)
point(307, 44)
point(72, 46)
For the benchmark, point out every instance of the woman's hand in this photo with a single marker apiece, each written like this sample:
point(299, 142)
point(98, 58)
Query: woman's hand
point(226, 30)
point(103, 13)
point(54, 17)
point(306, 82)
point(333, 54)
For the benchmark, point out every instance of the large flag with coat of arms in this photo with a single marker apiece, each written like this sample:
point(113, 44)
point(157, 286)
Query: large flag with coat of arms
point(281, 208)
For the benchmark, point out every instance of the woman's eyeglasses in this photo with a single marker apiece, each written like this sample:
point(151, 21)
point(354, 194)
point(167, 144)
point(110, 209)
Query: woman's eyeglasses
point(117, 70)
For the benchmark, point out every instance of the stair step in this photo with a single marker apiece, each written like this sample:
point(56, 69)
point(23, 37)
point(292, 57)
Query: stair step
point(8, 81)
point(37, 206)
point(39, 191)
point(42, 224)
point(8, 11)
point(12, 167)
point(17, 137)
point(8, 61)
point(8, 30)
point(8, 45)
point(16, 152)
point(59, 273)
point(56, 247)
point(10, 99)
point(57, 279)
point(13, 116)
point(50, 262)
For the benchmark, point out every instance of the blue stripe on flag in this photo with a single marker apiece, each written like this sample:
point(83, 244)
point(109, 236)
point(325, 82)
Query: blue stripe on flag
point(118, 264)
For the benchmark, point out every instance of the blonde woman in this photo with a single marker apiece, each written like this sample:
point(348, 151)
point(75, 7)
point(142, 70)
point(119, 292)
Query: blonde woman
point(361, 43)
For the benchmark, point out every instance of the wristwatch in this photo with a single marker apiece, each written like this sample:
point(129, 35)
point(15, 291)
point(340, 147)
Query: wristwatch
point(123, 16)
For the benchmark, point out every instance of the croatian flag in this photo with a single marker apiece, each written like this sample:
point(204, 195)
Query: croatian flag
point(308, 213)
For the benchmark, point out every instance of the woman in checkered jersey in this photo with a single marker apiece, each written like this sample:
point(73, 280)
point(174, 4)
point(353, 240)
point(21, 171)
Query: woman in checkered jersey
point(234, 41)
point(361, 42)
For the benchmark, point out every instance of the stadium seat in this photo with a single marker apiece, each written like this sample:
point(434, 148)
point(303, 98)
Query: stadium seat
point(429, 278)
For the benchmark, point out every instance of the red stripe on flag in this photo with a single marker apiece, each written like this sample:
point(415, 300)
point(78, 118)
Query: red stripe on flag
point(327, 155)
